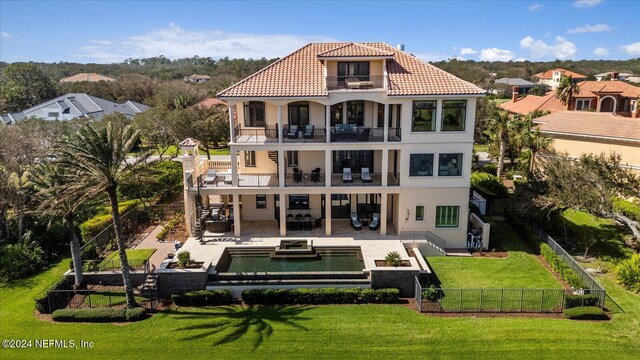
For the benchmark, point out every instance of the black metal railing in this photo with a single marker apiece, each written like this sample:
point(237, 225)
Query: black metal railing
point(355, 82)
point(302, 134)
point(350, 133)
point(259, 135)
point(305, 179)
point(258, 180)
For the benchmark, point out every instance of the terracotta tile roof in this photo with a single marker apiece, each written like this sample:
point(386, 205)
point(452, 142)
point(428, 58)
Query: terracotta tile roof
point(300, 74)
point(590, 124)
point(91, 77)
point(594, 88)
point(548, 74)
point(548, 102)
point(189, 142)
point(355, 50)
point(209, 103)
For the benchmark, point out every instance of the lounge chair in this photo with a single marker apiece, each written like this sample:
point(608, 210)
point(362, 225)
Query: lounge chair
point(355, 223)
point(346, 175)
point(315, 175)
point(209, 176)
point(365, 175)
point(363, 134)
point(375, 222)
point(293, 132)
point(308, 132)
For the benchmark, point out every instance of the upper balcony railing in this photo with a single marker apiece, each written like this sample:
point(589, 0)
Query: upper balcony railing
point(256, 135)
point(352, 133)
point(308, 133)
point(356, 82)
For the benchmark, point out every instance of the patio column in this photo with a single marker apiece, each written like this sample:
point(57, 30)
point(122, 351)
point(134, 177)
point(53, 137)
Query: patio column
point(327, 123)
point(281, 167)
point(283, 214)
point(189, 208)
point(385, 129)
point(328, 168)
point(327, 214)
point(344, 112)
point(280, 123)
point(234, 167)
point(236, 215)
point(231, 124)
point(385, 166)
point(383, 214)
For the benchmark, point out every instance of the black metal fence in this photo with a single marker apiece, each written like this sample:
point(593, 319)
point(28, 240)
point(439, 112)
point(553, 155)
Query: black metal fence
point(88, 299)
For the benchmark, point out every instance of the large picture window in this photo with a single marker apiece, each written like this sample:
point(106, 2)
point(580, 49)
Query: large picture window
point(356, 69)
point(355, 112)
point(450, 165)
point(454, 113)
point(583, 105)
point(292, 158)
point(421, 165)
point(336, 114)
point(254, 114)
point(299, 201)
point(447, 216)
point(261, 201)
point(250, 159)
point(299, 113)
point(424, 116)
point(419, 213)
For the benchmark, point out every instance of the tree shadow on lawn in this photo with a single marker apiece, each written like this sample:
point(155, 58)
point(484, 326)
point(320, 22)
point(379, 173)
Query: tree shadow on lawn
point(235, 322)
point(612, 239)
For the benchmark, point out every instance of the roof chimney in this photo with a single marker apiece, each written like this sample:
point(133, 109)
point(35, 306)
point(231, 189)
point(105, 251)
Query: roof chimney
point(400, 47)
point(614, 75)
point(515, 92)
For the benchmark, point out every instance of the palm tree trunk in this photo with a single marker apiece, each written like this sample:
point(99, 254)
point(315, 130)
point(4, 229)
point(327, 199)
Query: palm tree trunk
point(76, 255)
point(533, 161)
point(503, 148)
point(124, 263)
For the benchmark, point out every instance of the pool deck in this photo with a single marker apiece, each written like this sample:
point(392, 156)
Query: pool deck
point(212, 249)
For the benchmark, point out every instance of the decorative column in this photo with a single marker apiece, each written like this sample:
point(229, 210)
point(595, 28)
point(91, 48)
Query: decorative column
point(281, 167)
point(327, 123)
point(283, 214)
point(234, 166)
point(344, 112)
point(280, 124)
point(232, 135)
point(327, 214)
point(236, 215)
point(385, 166)
point(328, 168)
point(386, 123)
point(383, 214)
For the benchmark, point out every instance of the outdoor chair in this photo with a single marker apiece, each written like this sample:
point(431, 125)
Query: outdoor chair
point(363, 134)
point(308, 132)
point(355, 223)
point(209, 176)
point(297, 175)
point(315, 175)
point(375, 222)
point(293, 132)
point(346, 175)
point(365, 175)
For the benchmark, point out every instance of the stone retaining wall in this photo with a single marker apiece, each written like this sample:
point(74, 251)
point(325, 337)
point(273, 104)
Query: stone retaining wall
point(177, 281)
point(403, 280)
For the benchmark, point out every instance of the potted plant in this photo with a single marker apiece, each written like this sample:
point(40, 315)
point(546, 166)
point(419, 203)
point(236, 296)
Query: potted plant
point(184, 259)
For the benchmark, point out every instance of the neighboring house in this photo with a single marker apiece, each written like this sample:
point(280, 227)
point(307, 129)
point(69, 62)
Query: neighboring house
point(195, 78)
point(335, 129)
point(75, 105)
point(552, 78)
point(90, 77)
point(576, 133)
point(633, 79)
point(526, 104)
point(209, 103)
point(613, 76)
point(508, 83)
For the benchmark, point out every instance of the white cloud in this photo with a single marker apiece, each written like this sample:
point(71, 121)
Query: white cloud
point(495, 54)
point(5, 35)
point(589, 28)
point(467, 51)
point(535, 7)
point(586, 3)
point(631, 49)
point(562, 49)
point(176, 42)
point(600, 51)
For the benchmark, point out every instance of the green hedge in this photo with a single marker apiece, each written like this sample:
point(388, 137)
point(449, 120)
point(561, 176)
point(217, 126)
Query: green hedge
point(571, 301)
point(99, 222)
point(320, 296)
point(203, 298)
point(99, 315)
point(628, 273)
point(489, 186)
point(585, 313)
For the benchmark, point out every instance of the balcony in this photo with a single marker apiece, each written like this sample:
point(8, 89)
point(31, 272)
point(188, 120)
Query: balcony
point(304, 179)
point(353, 133)
point(356, 82)
point(357, 180)
point(255, 136)
point(244, 180)
point(304, 134)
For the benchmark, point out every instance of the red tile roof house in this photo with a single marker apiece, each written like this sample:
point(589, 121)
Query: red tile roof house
point(340, 130)
point(551, 78)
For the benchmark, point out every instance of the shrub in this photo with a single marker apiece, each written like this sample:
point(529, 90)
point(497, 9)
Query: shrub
point(489, 168)
point(571, 301)
point(489, 186)
point(560, 266)
point(203, 298)
point(393, 258)
point(585, 313)
point(170, 226)
point(320, 296)
point(42, 304)
point(99, 315)
point(20, 260)
point(156, 180)
point(628, 273)
point(184, 258)
point(430, 293)
point(627, 208)
point(99, 222)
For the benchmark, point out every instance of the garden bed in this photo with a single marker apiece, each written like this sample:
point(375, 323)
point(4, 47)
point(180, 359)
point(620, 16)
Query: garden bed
point(384, 263)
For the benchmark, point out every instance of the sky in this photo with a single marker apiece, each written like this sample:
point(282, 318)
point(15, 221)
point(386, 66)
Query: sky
point(112, 31)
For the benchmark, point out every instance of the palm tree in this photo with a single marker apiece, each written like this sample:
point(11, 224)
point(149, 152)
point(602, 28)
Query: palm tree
point(501, 124)
point(537, 142)
point(98, 156)
point(58, 197)
point(566, 90)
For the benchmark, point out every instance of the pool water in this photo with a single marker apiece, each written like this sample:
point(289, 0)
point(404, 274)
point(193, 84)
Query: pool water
point(326, 261)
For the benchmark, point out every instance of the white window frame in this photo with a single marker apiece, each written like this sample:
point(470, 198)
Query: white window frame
point(423, 210)
point(582, 101)
point(457, 226)
point(250, 159)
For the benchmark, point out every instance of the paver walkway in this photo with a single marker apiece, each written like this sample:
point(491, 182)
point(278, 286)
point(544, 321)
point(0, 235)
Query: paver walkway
point(162, 248)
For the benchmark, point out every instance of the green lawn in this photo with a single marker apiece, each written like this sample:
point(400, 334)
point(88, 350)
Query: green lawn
point(135, 258)
point(520, 269)
point(320, 332)
point(480, 148)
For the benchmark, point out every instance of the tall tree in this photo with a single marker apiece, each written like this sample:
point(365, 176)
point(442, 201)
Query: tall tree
point(500, 125)
point(537, 142)
point(566, 90)
point(25, 85)
point(98, 156)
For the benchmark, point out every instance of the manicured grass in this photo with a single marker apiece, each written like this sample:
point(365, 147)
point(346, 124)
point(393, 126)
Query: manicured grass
point(521, 269)
point(134, 256)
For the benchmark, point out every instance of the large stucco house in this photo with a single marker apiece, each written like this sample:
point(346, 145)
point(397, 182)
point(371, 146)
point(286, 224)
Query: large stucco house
point(336, 130)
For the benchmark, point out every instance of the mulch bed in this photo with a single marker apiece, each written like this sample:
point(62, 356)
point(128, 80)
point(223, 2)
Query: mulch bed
point(383, 263)
point(497, 253)
point(193, 265)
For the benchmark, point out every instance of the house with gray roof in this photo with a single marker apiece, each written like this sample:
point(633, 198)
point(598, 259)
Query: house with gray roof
point(75, 105)
point(508, 83)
